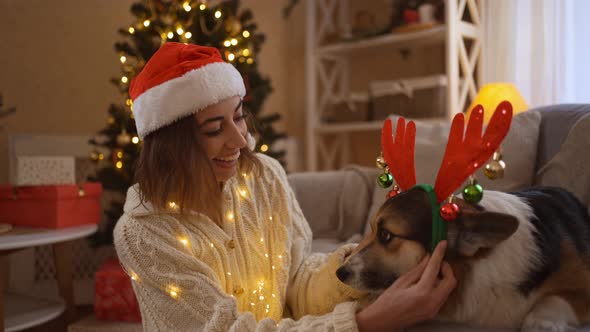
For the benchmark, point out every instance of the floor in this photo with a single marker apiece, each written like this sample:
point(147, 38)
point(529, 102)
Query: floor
point(57, 325)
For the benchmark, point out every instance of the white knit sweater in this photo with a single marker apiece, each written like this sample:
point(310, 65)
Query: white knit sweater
point(256, 273)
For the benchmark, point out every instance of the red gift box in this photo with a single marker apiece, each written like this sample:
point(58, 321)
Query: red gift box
point(55, 206)
point(114, 297)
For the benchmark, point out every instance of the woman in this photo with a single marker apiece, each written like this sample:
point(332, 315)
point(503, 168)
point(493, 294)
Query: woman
point(212, 235)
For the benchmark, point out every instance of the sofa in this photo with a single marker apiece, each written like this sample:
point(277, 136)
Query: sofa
point(545, 146)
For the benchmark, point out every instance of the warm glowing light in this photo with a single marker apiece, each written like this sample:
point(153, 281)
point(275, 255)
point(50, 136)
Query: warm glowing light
point(249, 61)
point(173, 291)
point(243, 193)
point(134, 276)
point(211, 244)
point(280, 256)
point(135, 140)
point(246, 52)
point(264, 148)
point(170, 35)
point(234, 41)
point(227, 43)
point(119, 154)
point(131, 30)
point(124, 79)
point(261, 239)
point(179, 31)
point(123, 58)
point(188, 34)
point(266, 255)
point(187, 7)
point(119, 165)
point(231, 57)
point(129, 102)
point(202, 6)
point(246, 33)
point(261, 298)
point(184, 241)
point(217, 14)
point(146, 23)
point(270, 217)
point(230, 216)
point(229, 273)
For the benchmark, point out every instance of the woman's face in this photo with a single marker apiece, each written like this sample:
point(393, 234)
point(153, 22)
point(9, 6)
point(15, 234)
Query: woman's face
point(222, 129)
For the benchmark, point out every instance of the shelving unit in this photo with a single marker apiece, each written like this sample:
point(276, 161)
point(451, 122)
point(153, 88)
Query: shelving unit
point(25, 311)
point(328, 72)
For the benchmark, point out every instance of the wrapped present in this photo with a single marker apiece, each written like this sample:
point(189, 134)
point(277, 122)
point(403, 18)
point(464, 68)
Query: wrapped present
point(114, 297)
point(51, 206)
point(44, 170)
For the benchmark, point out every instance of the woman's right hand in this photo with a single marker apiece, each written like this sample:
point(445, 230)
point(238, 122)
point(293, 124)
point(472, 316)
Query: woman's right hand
point(415, 296)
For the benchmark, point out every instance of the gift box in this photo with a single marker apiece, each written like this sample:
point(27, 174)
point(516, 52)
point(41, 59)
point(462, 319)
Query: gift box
point(56, 206)
point(114, 297)
point(44, 170)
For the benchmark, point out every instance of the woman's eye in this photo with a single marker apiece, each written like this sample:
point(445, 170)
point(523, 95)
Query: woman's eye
point(384, 236)
point(213, 133)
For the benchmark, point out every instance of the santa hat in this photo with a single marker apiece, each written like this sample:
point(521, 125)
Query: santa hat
point(179, 80)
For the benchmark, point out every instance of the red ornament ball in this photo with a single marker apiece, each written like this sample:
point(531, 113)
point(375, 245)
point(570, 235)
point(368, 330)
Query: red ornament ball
point(392, 193)
point(449, 211)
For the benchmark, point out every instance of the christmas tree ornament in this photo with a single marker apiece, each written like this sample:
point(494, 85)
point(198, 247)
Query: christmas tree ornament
point(385, 180)
point(117, 155)
point(380, 161)
point(449, 211)
point(394, 192)
point(473, 192)
point(94, 155)
point(233, 26)
point(123, 138)
point(495, 169)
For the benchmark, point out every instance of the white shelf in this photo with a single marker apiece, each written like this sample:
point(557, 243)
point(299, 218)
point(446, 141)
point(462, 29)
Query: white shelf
point(399, 40)
point(23, 311)
point(24, 237)
point(366, 126)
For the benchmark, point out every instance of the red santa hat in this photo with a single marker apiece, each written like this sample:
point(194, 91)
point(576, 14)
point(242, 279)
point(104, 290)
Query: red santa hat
point(179, 80)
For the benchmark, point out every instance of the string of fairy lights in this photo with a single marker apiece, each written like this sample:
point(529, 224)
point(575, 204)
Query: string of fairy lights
point(261, 291)
point(171, 27)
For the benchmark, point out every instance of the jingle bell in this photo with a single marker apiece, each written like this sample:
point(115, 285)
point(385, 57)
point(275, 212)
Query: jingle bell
point(385, 180)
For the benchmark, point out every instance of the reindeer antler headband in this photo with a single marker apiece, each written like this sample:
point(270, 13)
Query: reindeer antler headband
point(467, 150)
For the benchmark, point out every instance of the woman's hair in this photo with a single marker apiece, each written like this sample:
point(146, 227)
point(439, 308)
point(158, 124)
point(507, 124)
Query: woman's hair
point(173, 167)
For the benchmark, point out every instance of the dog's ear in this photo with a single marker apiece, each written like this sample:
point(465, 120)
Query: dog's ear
point(483, 230)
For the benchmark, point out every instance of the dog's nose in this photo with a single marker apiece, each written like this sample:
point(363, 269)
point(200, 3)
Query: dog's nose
point(342, 273)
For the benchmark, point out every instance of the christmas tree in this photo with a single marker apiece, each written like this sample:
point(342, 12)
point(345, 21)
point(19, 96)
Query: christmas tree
point(223, 26)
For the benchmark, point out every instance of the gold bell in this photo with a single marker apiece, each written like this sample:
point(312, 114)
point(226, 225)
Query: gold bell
point(495, 169)
point(380, 162)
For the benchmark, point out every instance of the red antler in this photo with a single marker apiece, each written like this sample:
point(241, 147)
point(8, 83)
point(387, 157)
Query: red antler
point(399, 154)
point(464, 156)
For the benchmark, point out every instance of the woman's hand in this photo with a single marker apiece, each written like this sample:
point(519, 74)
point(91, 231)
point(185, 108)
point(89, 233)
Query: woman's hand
point(415, 296)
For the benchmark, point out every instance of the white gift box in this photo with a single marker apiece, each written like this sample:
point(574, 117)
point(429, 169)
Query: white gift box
point(44, 170)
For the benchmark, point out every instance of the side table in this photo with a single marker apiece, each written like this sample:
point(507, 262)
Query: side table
point(18, 312)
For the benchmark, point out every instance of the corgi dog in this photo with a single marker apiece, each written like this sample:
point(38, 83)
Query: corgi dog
point(521, 260)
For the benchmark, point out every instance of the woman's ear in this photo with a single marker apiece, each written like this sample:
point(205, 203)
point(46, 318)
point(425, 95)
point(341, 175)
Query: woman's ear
point(251, 141)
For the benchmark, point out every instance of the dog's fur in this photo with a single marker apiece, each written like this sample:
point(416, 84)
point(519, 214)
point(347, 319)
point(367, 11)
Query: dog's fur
point(521, 259)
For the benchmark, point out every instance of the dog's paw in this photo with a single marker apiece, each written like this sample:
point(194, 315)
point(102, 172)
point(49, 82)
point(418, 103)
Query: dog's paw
point(539, 324)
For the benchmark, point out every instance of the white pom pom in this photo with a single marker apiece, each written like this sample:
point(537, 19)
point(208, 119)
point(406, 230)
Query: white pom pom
point(251, 141)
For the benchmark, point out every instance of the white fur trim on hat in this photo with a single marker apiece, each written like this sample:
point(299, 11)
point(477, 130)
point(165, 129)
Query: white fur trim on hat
point(186, 95)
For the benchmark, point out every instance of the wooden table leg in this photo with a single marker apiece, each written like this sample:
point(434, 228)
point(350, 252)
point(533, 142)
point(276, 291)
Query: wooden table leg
point(3, 273)
point(62, 254)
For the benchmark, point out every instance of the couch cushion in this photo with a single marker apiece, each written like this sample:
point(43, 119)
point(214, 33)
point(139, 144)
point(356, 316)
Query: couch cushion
point(334, 203)
point(570, 167)
point(557, 120)
point(519, 152)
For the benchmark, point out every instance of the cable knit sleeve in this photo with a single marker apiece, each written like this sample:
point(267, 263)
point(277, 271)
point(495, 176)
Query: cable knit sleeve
point(314, 288)
point(178, 292)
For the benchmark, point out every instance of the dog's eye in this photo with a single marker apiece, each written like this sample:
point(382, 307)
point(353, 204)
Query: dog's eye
point(384, 236)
